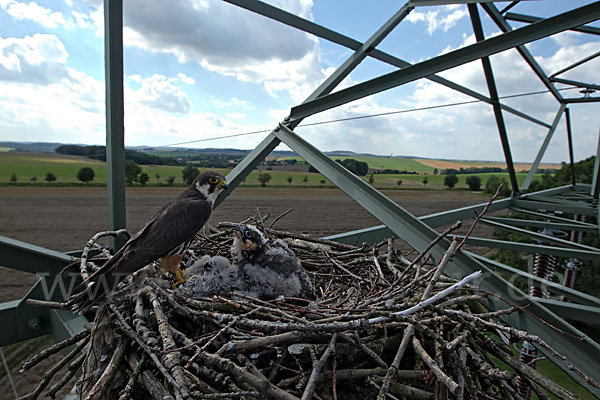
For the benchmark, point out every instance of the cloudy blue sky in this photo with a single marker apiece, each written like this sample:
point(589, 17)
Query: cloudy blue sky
point(199, 69)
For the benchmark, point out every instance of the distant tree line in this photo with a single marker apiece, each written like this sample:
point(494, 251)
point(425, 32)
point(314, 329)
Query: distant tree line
point(584, 172)
point(99, 153)
point(203, 160)
point(395, 171)
point(471, 170)
point(215, 160)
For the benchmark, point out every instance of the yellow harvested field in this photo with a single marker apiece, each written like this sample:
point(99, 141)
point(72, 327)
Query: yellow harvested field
point(444, 164)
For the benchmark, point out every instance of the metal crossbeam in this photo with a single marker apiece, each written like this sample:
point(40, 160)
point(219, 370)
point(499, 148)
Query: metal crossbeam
point(20, 320)
point(571, 311)
point(418, 235)
point(547, 206)
point(527, 56)
point(575, 64)
point(531, 248)
point(378, 233)
point(595, 188)
point(247, 165)
point(360, 54)
point(115, 122)
point(531, 19)
point(241, 171)
point(542, 150)
point(292, 20)
point(545, 225)
point(577, 100)
point(27, 257)
point(491, 84)
point(576, 83)
point(453, 59)
point(541, 237)
point(556, 288)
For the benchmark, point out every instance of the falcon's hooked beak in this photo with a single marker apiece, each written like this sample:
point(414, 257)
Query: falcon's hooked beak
point(222, 185)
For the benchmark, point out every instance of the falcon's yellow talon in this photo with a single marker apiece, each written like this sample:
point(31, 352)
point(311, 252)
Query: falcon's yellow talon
point(180, 278)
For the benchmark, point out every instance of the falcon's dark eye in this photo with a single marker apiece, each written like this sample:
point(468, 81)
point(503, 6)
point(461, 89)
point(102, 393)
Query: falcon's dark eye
point(248, 234)
point(214, 180)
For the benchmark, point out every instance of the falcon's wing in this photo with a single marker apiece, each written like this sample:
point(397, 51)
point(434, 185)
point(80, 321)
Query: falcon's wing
point(173, 225)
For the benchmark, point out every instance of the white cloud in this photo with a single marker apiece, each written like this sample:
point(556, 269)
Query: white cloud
point(71, 110)
point(34, 12)
point(231, 102)
point(186, 79)
point(230, 41)
point(443, 18)
point(235, 115)
point(39, 59)
point(159, 92)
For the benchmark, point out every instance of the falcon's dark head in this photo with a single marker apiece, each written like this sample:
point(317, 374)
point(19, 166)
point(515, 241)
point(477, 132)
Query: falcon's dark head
point(210, 183)
point(247, 240)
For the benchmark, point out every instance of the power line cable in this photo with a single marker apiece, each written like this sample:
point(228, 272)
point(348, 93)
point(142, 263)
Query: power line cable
point(350, 119)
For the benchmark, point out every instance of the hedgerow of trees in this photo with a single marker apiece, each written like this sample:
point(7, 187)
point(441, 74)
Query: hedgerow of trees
point(359, 168)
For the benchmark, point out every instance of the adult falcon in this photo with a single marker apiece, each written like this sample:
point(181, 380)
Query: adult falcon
point(165, 237)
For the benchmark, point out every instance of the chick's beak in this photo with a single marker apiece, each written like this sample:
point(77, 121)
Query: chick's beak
point(239, 232)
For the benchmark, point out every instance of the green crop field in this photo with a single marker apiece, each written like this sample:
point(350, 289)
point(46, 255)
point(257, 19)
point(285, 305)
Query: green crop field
point(28, 165)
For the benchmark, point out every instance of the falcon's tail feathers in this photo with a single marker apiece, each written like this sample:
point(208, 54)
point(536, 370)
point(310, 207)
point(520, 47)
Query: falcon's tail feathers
point(94, 289)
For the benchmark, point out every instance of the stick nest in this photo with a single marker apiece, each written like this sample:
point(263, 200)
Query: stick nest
point(355, 342)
